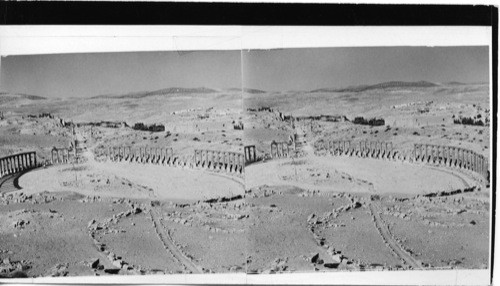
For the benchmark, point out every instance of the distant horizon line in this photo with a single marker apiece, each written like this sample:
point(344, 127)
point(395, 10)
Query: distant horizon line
point(214, 89)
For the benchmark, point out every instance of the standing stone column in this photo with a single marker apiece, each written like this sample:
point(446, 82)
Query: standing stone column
point(460, 158)
point(469, 160)
point(24, 159)
point(446, 155)
point(416, 150)
point(464, 158)
point(214, 159)
point(477, 164)
point(225, 160)
point(457, 156)
point(204, 158)
point(14, 159)
point(484, 168)
point(242, 164)
point(450, 156)
point(2, 168)
point(220, 160)
point(425, 153)
point(231, 162)
point(473, 161)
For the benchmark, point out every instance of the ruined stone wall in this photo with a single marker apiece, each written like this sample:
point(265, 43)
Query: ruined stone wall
point(17, 163)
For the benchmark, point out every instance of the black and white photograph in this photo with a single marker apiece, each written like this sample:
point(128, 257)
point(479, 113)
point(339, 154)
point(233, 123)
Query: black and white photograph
point(317, 159)
point(368, 158)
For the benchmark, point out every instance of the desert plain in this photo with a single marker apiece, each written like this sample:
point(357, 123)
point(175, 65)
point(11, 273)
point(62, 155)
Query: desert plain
point(106, 197)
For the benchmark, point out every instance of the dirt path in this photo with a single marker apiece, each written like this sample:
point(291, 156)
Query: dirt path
point(170, 246)
point(389, 240)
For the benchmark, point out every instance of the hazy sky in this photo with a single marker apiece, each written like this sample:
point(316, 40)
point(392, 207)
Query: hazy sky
point(306, 69)
point(84, 75)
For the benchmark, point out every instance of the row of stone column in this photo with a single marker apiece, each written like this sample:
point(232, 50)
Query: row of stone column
point(364, 149)
point(231, 162)
point(60, 156)
point(250, 154)
point(17, 163)
point(281, 149)
point(153, 155)
point(452, 157)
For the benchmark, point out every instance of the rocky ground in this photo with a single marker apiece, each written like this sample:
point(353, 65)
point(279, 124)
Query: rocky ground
point(305, 214)
point(320, 212)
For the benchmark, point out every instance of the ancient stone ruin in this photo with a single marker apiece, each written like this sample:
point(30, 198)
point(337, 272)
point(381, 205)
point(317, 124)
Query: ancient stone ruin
point(452, 157)
point(281, 149)
point(62, 156)
point(364, 149)
point(219, 160)
point(156, 155)
point(447, 156)
point(17, 163)
point(230, 162)
point(250, 154)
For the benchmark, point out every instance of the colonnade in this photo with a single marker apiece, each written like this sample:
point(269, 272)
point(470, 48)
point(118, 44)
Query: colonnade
point(452, 157)
point(440, 155)
point(250, 154)
point(153, 155)
point(219, 160)
point(280, 149)
point(60, 156)
point(364, 149)
point(17, 163)
point(231, 162)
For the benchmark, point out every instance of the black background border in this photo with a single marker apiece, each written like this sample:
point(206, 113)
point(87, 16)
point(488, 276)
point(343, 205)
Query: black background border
point(319, 14)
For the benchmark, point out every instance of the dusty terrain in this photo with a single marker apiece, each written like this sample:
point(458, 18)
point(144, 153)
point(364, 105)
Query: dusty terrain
point(310, 211)
point(319, 212)
point(95, 216)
